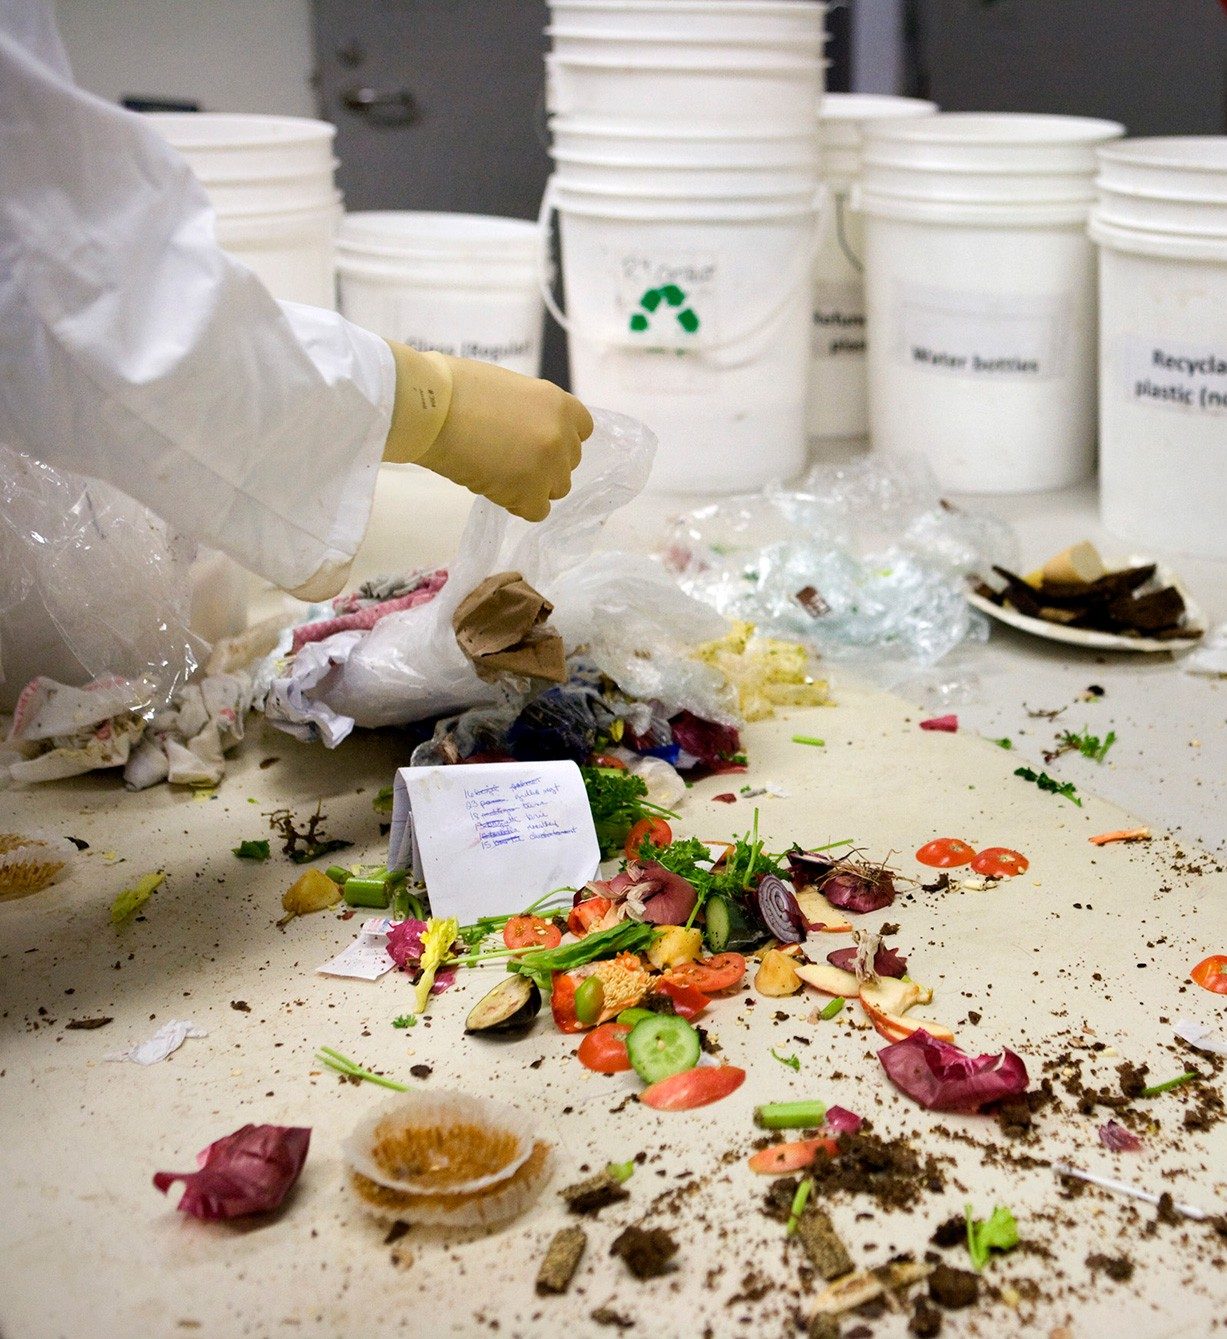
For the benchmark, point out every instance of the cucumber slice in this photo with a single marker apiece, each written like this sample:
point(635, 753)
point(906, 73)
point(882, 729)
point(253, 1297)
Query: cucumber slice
point(727, 929)
point(661, 1046)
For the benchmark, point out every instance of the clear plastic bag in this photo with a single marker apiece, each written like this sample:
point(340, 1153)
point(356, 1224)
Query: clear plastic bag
point(624, 609)
point(868, 565)
point(94, 587)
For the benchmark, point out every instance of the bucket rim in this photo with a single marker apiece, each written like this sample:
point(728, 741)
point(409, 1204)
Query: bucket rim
point(852, 108)
point(1161, 244)
point(598, 128)
point(990, 213)
point(1166, 196)
point(818, 39)
point(681, 165)
point(1164, 151)
point(776, 8)
point(987, 129)
point(773, 66)
point(675, 209)
point(295, 213)
point(440, 230)
point(276, 131)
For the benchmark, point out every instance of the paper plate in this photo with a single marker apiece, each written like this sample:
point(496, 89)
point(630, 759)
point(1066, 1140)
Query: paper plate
point(1194, 619)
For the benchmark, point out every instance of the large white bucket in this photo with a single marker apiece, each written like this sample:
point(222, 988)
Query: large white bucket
point(838, 408)
point(745, 21)
point(590, 172)
point(980, 297)
point(464, 284)
point(694, 146)
point(270, 181)
point(677, 45)
point(718, 89)
point(1163, 344)
point(694, 317)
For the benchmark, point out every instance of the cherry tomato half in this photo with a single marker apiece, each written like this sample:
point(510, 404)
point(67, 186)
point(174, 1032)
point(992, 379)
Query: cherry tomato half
point(710, 975)
point(946, 853)
point(693, 1087)
point(584, 915)
point(603, 1050)
point(782, 1159)
point(655, 830)
point(562, 1003)
point(687, 1001)
point(1000, 862)
point(531, 932)
point(1211, 974)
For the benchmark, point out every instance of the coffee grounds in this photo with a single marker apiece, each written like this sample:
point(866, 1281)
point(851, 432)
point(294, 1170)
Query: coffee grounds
point(953, 1288)
point(647, 1252)
point(1119, 1268)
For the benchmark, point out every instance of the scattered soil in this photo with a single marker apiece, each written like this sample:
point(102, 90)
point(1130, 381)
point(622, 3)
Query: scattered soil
point(953, 1232)
point(926, 1321)
point(953, 1288)
point(1119, 1268)
point(647, 1252)
point(594, 1194)
point(891, 1171)
point(606, 1315)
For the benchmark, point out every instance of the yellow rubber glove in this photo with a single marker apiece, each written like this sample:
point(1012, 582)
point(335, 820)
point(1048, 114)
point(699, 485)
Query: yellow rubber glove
point(511, 438)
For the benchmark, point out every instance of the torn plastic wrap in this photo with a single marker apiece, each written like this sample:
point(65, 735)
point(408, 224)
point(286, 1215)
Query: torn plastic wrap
point(102, 589)
point(623, 609)
point(867, 565)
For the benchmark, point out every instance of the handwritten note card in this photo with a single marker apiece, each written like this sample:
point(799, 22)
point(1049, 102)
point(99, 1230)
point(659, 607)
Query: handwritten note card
point(492, 837)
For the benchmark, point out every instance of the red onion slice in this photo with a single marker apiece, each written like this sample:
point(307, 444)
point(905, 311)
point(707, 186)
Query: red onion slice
point(942, 1078)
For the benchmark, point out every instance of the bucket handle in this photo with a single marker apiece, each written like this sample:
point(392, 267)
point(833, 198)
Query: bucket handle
point(844, 201)
point(803, 275)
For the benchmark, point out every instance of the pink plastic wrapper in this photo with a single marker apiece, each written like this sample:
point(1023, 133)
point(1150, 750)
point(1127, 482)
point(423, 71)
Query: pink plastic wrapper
point(942, 1078)
point(249, 1171)
point(949, 724)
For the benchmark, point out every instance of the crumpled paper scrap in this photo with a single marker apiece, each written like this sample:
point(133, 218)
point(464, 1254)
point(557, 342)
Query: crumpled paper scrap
point(1201, 1036)
point(501, 625)
point(165, 1041)
point(1211, 656)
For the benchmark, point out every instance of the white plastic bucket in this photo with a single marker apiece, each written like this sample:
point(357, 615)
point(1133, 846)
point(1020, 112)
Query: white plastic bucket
point(838, 408)
point(270, 181)
point(704, 20)
point(982, 342)
point(725, 89)
point(1184, 167)
point(1163, 387)
point(465, 284)
point(693, 315)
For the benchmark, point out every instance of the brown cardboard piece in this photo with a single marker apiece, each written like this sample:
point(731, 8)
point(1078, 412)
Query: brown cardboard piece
point(501, 626)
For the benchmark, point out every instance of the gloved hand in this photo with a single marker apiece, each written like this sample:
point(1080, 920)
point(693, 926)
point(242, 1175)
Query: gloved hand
point(511, 438)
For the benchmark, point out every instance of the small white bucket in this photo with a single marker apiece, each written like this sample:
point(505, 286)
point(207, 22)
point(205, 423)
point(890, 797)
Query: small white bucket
point(692, 146)
point(270, 182)
point(838, 409)
point(980, 297)
point(1163, 354)
point(464, 284)
point(693, 315)
point(726, 89)
point(704, 20)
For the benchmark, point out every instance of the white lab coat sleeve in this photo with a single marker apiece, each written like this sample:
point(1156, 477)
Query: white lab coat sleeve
point(132, 349)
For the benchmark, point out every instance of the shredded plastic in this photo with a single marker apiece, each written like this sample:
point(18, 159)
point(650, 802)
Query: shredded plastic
point(249, 1171)
point(867, 565)
point(942, 1078)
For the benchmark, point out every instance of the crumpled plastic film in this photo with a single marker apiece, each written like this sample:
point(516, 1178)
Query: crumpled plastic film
point(623, 609)
point(868, 565)
point(103, 589)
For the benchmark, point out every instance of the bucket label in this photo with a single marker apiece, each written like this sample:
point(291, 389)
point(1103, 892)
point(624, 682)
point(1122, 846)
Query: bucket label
point(667, 303)
point(1175, 375)
point(510, 351)
point(839, 320)
point(981, 336)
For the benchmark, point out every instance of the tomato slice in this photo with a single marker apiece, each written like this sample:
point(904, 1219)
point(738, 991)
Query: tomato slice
point(721, 972)
point(562, 1003)
point(688, 1001)
point(1000, 862)
point(586, 914)
point(609, 762)
point(780, 1159)
point(693, 1088)
point(531, 932)
point(655, 830)
point(1211, 974)
point(604, 1049)
point(946, 853)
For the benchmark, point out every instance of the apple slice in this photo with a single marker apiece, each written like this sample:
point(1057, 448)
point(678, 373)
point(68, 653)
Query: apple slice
point(830, 980)
point(891, 995)
point(820, 914)
point(894, 1027)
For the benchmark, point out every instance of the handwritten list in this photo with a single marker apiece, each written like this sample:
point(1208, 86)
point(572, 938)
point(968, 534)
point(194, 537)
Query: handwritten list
point(489, 838)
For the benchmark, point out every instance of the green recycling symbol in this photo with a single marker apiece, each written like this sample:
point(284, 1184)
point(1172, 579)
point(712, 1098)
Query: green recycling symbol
point(671, 296)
